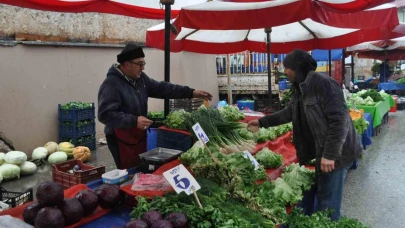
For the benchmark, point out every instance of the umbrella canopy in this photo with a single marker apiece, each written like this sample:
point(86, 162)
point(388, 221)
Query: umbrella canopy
point(149, 9)
point(218, 15)
point(349, 6)
point(393, 49)
point(306, 34)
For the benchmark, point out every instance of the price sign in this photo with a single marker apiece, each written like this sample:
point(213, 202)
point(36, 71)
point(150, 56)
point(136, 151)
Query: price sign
point(181, 180)
point(200, 133)
point(248, 155)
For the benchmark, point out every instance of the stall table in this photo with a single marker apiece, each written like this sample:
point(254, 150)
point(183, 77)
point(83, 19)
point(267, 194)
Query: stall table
point(378, 111)
point(366, 136)
point(388, 86)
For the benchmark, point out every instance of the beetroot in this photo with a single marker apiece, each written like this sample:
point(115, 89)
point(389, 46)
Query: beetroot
point(31, 211)
point(108, 195)
point(49, 217)
point(162, 224)
point(151, 216)
point(136, 224)
point(178, 220)
point(50, 194)
point(72, 211)
point(89, 201)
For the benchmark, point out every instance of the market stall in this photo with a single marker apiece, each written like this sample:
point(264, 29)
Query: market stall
point(273, 143)
point(378, 110)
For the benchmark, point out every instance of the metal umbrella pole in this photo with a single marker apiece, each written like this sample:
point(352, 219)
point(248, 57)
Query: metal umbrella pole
point(268, 39)
point(167, 4)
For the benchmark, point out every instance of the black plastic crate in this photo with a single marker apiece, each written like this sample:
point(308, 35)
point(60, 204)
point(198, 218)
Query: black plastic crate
point(174, 140)
point(400, 106)
point(90, 143)
point(16, 198)
point(76, 114)
point(262, 105)
point(75, 132)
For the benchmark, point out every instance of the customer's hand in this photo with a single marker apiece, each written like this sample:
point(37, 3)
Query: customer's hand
point(327, 165)
point(202, 94)
point(143, 123)
point(253, 125)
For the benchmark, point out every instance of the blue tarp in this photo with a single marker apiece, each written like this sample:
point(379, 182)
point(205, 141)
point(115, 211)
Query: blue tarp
point(323, 55)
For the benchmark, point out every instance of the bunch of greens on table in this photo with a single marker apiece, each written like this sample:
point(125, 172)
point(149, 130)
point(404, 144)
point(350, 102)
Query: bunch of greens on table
point(272, 133)
point(372, 93)
point(268, 159)
point(156, 115)
point(76, 105)
point(231, 113)
point(222, 134)
point(319, 219)
point(401, 81)
point(361, 125)
point(219, 209)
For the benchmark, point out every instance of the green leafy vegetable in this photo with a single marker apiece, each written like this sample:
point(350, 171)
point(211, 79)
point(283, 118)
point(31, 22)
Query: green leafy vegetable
point(401, 81)
point(361, 125)
point(176, 119)
point(372, 93)
point(76, 105)
point(269, 159)
point(155, 115)
point(231, 113)
point(320, 219)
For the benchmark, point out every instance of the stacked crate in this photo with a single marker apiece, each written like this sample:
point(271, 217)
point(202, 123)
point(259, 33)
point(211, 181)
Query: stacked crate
point(78, 126)
point(188, 105)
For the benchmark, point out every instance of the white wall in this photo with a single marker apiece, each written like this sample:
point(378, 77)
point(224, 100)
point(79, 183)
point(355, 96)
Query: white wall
point(35, 79)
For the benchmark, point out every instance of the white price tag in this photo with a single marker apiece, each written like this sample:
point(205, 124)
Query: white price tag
point(248, 155)
point(181, 180)
point(200, 133)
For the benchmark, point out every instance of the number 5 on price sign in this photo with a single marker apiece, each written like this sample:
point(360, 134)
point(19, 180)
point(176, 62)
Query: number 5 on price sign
point(182, 181)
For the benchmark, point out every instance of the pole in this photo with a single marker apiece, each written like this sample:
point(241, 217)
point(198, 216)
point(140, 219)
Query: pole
point(352, 66)
point(330, 62)
point(167, 4)
point(228, 73)
point(343, 67)
point(268, 31)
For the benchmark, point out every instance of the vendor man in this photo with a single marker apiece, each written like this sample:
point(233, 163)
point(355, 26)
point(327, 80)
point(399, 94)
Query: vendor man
point(322, 130)
point(123, 104)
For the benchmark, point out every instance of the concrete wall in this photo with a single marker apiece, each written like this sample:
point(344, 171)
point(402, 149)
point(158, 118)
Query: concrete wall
point(80, 26)
point(35, 79)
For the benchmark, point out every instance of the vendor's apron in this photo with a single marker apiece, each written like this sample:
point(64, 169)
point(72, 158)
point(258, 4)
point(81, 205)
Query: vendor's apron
point(131, 143)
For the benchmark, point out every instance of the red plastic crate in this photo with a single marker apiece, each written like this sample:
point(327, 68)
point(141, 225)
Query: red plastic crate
point(89, 173)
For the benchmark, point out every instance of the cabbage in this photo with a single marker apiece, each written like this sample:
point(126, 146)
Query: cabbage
point(28, 168)
point(39, 153)
point(57, 157)
point(9, 171)
point(15, 157)
point(1, 178)
point(2, 155)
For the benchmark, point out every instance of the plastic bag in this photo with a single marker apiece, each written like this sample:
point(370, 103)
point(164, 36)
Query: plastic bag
point(7, 221)
point(150, 182)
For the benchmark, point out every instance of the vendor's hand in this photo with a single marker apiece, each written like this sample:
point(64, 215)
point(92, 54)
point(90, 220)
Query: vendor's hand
point(143, 123)
point(202, 94)
point(253, 125)
point(327, 165)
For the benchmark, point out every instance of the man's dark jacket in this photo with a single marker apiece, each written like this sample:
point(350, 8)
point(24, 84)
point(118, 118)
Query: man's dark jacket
point(328, 119)
point(120, 101)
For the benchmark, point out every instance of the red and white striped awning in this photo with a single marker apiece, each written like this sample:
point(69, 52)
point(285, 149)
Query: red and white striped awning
point(219, 15)
point(149, 9)
point(393, 49)
point(306, 34)
point(350, 6)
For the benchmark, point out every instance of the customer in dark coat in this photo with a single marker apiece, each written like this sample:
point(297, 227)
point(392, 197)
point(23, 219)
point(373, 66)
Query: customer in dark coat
point(123, 102)
point(322, 130)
